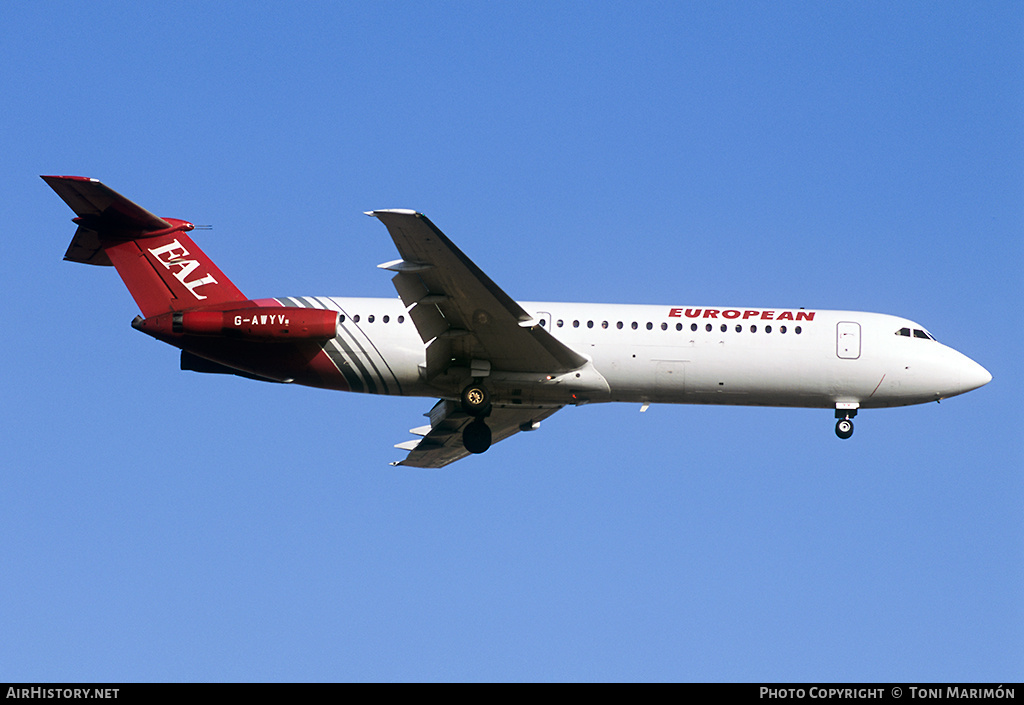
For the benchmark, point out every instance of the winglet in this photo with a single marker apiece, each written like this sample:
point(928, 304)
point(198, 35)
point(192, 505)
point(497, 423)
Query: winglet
point(400, 265)
point(396, 211)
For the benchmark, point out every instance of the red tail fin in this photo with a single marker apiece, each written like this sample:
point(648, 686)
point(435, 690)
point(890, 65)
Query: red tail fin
point(161, 266)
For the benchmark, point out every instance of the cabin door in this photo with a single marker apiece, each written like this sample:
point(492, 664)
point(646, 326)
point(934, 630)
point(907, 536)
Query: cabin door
point(848, 340)
point(670, 379)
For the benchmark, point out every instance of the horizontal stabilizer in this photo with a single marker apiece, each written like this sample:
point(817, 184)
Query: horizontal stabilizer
point(102, 209)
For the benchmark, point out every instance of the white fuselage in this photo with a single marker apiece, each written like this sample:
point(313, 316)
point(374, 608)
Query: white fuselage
point(674, 354)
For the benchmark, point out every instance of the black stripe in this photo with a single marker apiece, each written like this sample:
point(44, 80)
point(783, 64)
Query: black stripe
point(352, 349)
point(383, 359)
point(369, 360)
point(354, 383)
point(348, 354)
point(371, 386)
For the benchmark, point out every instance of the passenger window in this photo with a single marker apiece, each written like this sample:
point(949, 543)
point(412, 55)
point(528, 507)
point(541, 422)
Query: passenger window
point(753, 329)
point(619, 325)
point(664, 326)
point(401, 319)
point(782, 329)
point(739, 328)
point(767, 329)
point(560, 323)
point(604, 324)
point(708, 327)
point(649, 325)
point(355, 318)
point(798, 330)
point(724, 328)
point(635, 326)
point(575, 324)
point(369, 319)
point(693, 327)
point(341, 318)
point(385, 318)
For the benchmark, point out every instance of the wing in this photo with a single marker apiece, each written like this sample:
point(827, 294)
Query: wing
point(461, 314)
point(441, 441)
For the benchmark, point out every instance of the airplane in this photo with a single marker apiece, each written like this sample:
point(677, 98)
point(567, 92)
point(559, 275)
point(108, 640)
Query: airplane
point(498, 366)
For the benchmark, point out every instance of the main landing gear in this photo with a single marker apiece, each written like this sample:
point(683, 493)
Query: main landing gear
point(476, 402)
point(844, 426)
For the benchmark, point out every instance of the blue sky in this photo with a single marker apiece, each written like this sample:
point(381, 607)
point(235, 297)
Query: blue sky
point(162, 525)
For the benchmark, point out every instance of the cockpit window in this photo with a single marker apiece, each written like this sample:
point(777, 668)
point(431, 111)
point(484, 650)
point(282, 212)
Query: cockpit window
point(915, 333)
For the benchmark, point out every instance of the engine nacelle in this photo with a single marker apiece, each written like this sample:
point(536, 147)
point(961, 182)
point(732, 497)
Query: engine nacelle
point(261, 323)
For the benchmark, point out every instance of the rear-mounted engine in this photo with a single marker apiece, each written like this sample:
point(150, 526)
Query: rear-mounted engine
point(255, 323)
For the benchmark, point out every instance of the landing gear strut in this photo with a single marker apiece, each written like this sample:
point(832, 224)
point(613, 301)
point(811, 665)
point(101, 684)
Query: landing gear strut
point(476, 402)
point(844, 426)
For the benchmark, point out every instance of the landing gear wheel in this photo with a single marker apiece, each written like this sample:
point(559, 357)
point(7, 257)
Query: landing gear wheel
point(476, 437)
point(476, 401)
point(844, 428)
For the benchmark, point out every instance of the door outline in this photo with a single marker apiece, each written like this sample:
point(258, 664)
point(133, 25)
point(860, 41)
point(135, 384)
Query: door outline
point(848, 340)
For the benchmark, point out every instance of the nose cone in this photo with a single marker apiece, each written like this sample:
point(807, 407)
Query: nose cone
point(938, 372)
point(972, 375)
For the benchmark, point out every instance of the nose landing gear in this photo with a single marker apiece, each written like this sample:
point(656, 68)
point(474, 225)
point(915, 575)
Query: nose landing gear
point(844, 426)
